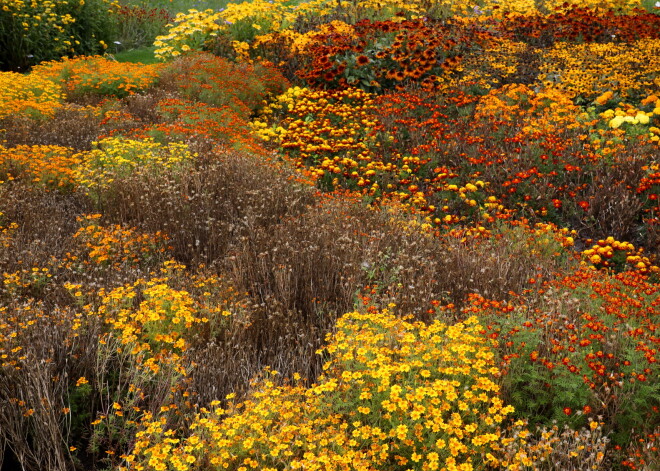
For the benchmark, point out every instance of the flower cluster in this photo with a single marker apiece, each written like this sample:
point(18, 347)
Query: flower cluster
point(393, 391)
point(580, 24)
point(591, 68)
point(618, 255)
point(530, 8)
point(189, 32)
point(588, 347)
point(45, 166)
point(157, 325)
point(97, 75)
point(30, 94)
point(388, 54)
point(116, 245)
point(50, 29)
point(117, 157)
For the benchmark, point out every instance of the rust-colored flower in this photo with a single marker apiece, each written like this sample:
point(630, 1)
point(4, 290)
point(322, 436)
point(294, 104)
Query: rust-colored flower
point(362, 60)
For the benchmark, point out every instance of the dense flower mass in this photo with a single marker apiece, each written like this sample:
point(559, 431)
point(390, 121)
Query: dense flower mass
point(28, 94)
point(97, 75)
point(393, 391)
point(374, 235)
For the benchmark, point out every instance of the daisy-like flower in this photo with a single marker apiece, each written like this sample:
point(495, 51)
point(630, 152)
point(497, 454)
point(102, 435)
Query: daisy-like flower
point(362, 60)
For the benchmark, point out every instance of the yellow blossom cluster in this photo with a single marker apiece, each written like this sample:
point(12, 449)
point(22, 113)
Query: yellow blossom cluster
point(498, 61)
point(590, 69)
point(625, 115)
point(32, 31)
point(28, 94)
point(262, 14)
point(116, 157)
point(188, 32)
point(309, 130)
point(413, 8)
point(610, 252)
point(546, 240)
point(533, 7)
point(623, 6)
point(154, 322)
point(25, 278)
point(42, 17)
point(159, 320)
point(394, 392)
point(298, 43)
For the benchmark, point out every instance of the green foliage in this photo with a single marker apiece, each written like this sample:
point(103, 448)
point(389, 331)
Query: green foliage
point(143, 55)
point(32, 32)
point(138, 26)
point(563, 365)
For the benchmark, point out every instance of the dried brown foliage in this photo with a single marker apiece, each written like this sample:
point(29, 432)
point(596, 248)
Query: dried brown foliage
point(72, 126)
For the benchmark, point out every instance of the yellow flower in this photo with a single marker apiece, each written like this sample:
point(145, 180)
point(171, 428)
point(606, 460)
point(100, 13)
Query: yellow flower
point(616, 122)
point(608, 114)
point(642, 118)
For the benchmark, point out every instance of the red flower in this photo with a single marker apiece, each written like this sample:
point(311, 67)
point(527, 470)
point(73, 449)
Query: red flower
point(567, 411)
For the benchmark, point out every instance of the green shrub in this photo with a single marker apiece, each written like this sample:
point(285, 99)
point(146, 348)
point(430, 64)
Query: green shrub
point(32, 32)
point(138, 26)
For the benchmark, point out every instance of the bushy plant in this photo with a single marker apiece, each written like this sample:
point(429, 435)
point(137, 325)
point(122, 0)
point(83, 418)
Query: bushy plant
point(218, 82)
point(394, 393)
point(138, 26)
point(32, 32)
point(96, 77)
point(114, 158)
point(72, 126)
point(28, 95)
point(585, 347)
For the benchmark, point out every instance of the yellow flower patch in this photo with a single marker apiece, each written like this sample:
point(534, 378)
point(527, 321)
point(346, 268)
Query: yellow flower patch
point(393, 391)
point(30, 94)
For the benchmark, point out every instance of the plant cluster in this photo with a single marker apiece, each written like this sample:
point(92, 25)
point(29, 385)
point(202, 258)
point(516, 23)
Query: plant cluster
point(346, 235)
point(595, 354)
point(410, 394)
point(138, 26)
point(32, 32)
